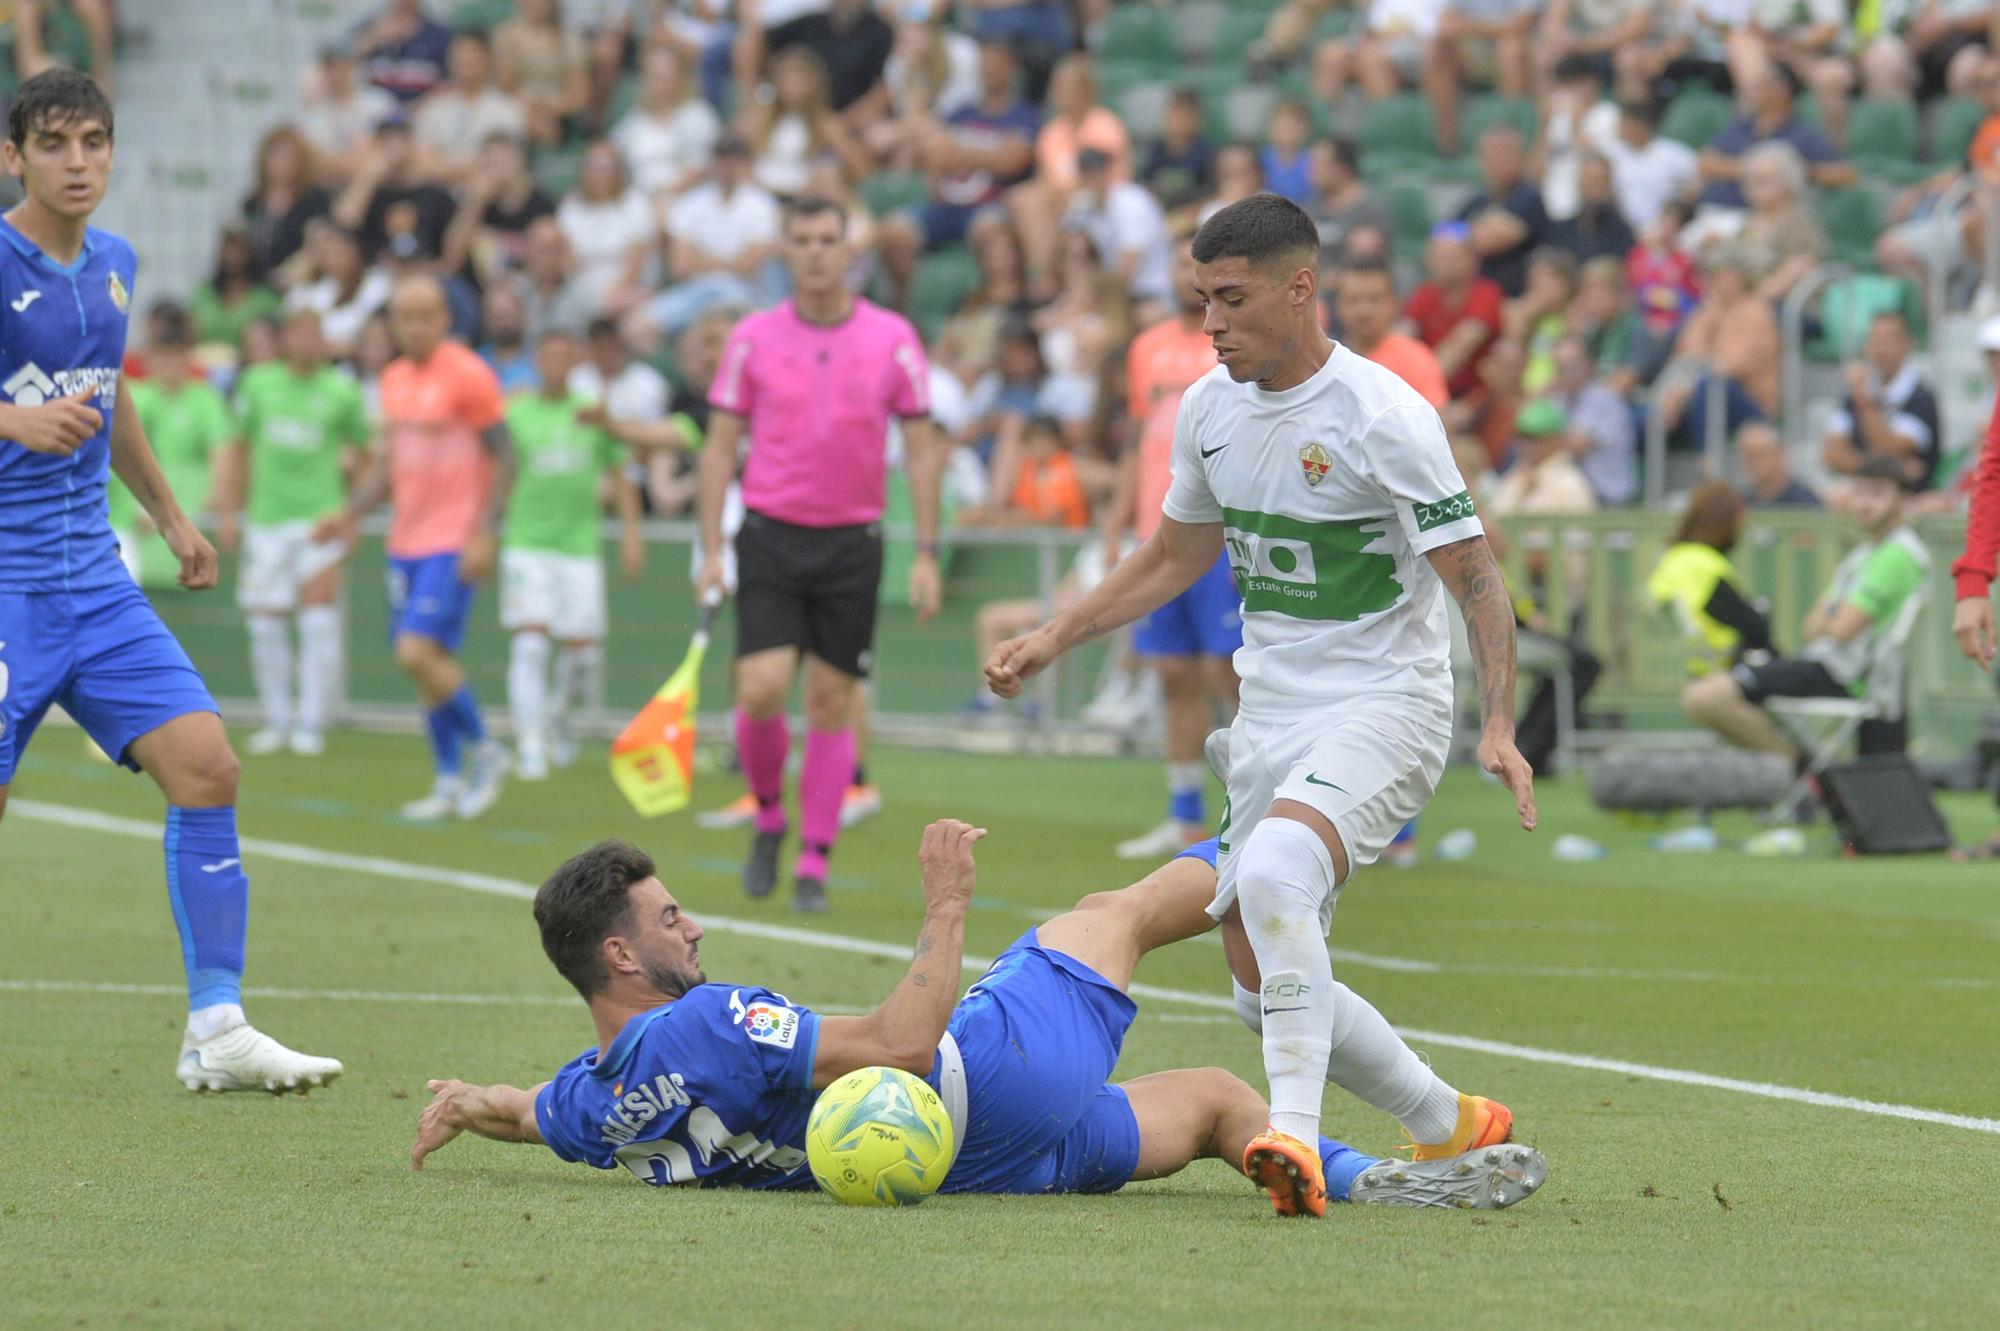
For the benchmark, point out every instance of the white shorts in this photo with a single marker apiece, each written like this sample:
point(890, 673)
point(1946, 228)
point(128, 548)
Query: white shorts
point(1369, 764)
point(279, 559)
point(561, 593)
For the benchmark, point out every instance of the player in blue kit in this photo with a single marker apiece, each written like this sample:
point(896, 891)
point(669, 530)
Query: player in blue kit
point(74, 628)
point(711, 1084)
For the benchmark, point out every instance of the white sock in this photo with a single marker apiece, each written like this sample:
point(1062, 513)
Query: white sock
point(271, 666)
point(1249, 1006)
point(205, 1023)
point(528, 690)
point(580, 676)
point(1285, 886)
point(1371, 1061)
point(320, 648)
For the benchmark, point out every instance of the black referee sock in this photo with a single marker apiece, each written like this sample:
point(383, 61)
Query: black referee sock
point(860, 774)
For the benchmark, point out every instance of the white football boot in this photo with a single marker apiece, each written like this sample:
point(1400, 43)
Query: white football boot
point(1491, 1178)
point(489, 772)
point(264, 742)
point(243, 1058)
point(437, 806)
point(308, 743)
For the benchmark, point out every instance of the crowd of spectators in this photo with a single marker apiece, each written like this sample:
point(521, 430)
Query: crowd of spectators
point(615, 168)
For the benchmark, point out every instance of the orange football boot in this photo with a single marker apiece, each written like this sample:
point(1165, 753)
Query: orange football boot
point(1289, 1170)
point(1481, 1122)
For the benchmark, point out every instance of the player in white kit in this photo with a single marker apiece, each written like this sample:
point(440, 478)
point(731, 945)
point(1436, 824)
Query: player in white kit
point(1331, 485)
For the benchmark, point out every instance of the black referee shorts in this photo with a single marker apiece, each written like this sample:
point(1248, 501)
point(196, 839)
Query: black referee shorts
point(812, 588)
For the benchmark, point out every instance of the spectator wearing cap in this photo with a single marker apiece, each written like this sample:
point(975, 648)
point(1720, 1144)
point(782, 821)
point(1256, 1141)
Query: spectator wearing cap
point(283, 200)
point(667, 138)
point(722, 239)
point(555, 301)
point(1124, 222)
point(1733, 336)
point(402, 50)
point(1180, 164)
point(1597, 230)
point(1544, 479)
point(545, 65)
point(1478, 43)
point(340, 112)
point(972, 159)
point(1648, 171)
point(1773, 118)
point(389, 195)
point(1598, 427)
point(1364, 303)
point(1768, 470)
point(612, 229)
point(1340, 199)
point(488, 236)
point(1576, 121)
point(460, 114)
point(1505, 221)
point(1888, 410)
point(853, 42)
point(1456, 311)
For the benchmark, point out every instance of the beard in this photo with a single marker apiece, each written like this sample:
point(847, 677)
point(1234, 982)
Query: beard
point(673, 981)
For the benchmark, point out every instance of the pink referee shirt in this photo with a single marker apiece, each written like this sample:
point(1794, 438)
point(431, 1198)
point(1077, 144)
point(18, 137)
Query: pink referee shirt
point(439, 472)
point(818, 401)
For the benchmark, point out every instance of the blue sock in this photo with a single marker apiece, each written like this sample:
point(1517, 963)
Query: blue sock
point(1185, 806)
point(465, 710)
point(441, 725)
point(1406, 834)
point(1343, 1165)
point(210, 895)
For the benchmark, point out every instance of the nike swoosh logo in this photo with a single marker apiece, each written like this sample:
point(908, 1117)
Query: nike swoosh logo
point(1312, 779)
point(27, 298)
point(1211, 452)
point(1273, 1011)
point(220, 865)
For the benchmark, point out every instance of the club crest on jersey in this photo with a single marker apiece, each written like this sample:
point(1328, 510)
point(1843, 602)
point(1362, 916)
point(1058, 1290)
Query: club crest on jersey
point(1315, 462)
point(119, 295)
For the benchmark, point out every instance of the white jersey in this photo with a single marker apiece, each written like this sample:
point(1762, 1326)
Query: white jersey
point(1329, 494)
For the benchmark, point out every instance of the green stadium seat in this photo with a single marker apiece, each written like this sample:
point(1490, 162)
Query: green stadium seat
point(1246, 110)
point(1243, 25)
point(481, 15)
point(1409, 206)
point(556, 170)
point(1143, 108)
point(1696, 117)
point(1489, 109)
point(1882, 139)
point(943, 281)
point(1852, 217)
point(1339, 21)
point(1398, 134)
point(623, 98)
point(1953, 123)
point(1139, 34)
point(1197, 23)
point(888, 192)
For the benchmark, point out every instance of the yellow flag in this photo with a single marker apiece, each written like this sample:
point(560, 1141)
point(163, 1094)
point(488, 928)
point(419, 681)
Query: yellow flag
point(652, 760)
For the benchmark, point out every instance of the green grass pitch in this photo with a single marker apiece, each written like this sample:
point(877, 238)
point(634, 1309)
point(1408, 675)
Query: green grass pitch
point(126, 1201)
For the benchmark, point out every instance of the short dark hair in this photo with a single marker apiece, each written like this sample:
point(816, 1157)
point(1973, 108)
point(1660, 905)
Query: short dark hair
point(1366, 268)
point(1344, 151)
point(170, 325)
point(1576, 67)
point(583, 903)
point(53, 98)
point(1902, 319)
point(801, 206)
point(1645, 110)
point(1265, 229)
point(601, 328)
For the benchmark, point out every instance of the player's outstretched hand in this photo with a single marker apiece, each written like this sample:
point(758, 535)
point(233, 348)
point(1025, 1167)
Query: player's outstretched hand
point(1017, 660)
point(946, 858)
point(1498, 755)
point(439, 1122)
point(59, 426)
point(199, 566)
point(1972, 625)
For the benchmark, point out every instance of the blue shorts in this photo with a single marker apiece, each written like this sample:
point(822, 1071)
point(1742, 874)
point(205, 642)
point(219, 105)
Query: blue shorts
point(104, 656)
point(1040, 1033)
point(1204, 620)
point(427, 597)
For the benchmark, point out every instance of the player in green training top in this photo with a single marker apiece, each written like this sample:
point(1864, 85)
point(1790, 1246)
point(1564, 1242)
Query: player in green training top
point(551, 572)
point(189, 424)
point(303, 424)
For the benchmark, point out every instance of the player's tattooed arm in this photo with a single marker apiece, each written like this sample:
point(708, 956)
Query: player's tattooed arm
point(904, 1031)
point(502, 1113)
point(1470, 571)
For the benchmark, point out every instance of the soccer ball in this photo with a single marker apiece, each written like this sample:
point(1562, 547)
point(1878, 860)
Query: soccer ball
point(879, 1137)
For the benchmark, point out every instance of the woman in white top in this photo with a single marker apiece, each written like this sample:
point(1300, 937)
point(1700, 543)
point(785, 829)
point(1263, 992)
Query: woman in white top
point(793, 121)
point(610, 228)
point(343, 291)
point(666, 140)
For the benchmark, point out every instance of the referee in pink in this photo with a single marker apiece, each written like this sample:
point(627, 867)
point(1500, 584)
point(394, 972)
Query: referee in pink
point(813, 382)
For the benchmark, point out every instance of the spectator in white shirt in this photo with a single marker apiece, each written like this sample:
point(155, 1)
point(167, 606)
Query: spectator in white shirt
point(611, 230)
point(460, 114)
point(1124, 221)
point(340, 111)
point(1647, 171)
point(343, 291)
point(667, 138)
point(1578, 119)
point(722, 238)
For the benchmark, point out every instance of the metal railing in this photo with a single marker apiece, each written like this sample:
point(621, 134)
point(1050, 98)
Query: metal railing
point(1714, 432)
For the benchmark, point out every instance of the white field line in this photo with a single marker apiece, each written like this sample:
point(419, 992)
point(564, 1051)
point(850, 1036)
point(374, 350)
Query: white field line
point(92, 820)
point(335, 995)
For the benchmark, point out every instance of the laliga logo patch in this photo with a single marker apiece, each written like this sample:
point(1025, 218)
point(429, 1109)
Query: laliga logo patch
point(119, 295)
point(767, 1023)
point(1316, 463)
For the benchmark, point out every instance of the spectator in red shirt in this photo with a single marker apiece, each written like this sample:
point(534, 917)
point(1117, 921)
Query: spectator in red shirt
point(1456, 313)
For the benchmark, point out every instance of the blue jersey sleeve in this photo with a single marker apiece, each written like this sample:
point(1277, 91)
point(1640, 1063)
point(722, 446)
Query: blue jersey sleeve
point(1201, 850)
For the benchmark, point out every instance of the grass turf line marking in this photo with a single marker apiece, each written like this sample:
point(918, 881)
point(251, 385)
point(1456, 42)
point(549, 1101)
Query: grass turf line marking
point(342, 995)
point(92, 820)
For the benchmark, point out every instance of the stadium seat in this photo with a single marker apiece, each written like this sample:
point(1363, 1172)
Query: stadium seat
point(1246, 110)
point(1882, 139)
point(1490, 109)
point(1139, 34)
point(943, 281)
point(1852, 217)
point(1696, 117)
point(1409, 206)
point(1196, 26)
point(1143, 108)
point(888, 192)
point(1954, 120)
point(556, 170)
point(624, 97)
point(481, 15)
point(1243, 26)
point(1397, 134)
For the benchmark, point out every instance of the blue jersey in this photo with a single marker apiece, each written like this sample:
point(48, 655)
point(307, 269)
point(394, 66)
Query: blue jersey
point(714, 1088)
point(62, 331)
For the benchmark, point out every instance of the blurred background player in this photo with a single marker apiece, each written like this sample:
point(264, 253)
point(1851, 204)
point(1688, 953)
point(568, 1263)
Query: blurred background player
point(187, 423)
point(74, 628)
point(1188, 642)
point(551, 568)
point(446, 465)
point(812, 383)
point(301, 425)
